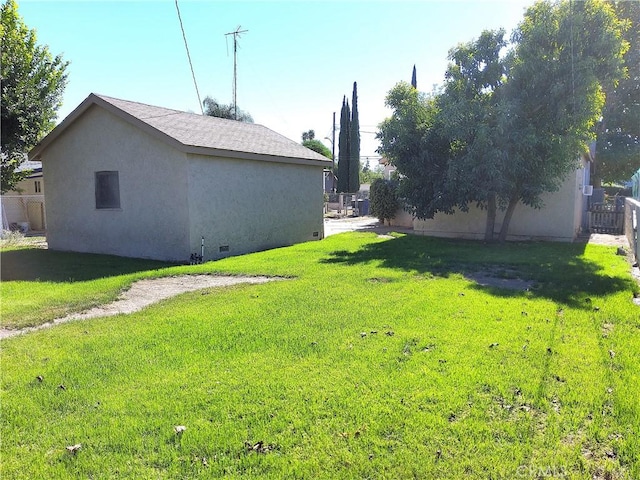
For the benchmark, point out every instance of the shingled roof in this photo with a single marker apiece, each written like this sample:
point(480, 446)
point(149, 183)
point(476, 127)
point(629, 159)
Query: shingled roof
point(193, 133)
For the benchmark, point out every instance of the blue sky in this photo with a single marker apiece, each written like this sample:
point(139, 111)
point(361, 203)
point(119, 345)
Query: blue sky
point(295, 62)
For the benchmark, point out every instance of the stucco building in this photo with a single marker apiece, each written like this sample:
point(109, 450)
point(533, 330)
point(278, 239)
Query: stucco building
point(135, 180)
point(22, 208)
point(561, 218)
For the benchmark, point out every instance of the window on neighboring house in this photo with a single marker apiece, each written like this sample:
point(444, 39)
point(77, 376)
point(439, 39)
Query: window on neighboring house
point(107, 190)
point(37, 186)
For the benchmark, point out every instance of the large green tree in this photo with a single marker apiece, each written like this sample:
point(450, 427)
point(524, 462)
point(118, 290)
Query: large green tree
point(33, 82)
point(354, 143)
point(507, 128)
point(343, 148)
point(469, 110)
point(618, 133)
point(213, 108)
point(566, 55)
point(412, 140)
point(349, 146)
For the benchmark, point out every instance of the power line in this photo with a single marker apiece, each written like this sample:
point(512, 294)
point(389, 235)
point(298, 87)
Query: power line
point(189, 57)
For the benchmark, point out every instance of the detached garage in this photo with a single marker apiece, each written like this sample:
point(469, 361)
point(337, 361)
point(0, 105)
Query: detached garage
point(134, 180)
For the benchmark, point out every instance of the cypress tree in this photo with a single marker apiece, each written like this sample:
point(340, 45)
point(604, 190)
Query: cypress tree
point(343, 149)
point(354, 144)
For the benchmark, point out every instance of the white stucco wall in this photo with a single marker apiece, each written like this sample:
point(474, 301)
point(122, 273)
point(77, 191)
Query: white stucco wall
point(251, 205)
point(558, 220)
point(153, 219)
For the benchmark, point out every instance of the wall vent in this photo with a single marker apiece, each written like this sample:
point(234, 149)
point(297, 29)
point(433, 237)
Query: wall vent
point(224, 248)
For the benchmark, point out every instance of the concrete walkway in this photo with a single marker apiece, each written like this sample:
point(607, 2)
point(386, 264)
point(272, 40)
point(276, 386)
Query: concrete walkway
point(349, 224)
point(333, 226)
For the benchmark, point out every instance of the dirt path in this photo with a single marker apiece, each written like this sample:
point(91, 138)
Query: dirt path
point(144, 293)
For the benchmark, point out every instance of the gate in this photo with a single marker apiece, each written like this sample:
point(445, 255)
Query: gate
point(606, 219)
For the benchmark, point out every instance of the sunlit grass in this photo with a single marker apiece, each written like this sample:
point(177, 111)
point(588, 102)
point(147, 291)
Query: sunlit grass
point(377, 359)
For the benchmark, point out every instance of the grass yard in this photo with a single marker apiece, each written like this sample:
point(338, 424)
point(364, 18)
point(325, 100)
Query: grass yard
point(378, 358)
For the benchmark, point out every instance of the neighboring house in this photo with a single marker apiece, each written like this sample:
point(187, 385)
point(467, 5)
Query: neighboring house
point(330, 181)
point(388, 169)
point(135, 180)
point(560, 219)
point(23, 207)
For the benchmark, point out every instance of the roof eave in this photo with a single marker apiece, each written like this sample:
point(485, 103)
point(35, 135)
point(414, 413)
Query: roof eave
point(36, 152)
point(216, 152)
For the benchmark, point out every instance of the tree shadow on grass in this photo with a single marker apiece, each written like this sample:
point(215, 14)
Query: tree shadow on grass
point(36, 264)
point(556, 271)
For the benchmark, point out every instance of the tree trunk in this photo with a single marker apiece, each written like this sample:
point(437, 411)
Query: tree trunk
point(513, 202)
point(491, 217)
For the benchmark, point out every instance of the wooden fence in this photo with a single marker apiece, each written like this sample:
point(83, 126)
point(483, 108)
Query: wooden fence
point(606, 219)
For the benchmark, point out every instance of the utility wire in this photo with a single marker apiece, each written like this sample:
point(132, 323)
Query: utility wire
point(189, 57)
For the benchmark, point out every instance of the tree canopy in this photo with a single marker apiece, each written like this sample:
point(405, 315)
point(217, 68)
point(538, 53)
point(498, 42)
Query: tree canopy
point(618, 140)
point(33, 82)
point(213, 108)
point(317, 146)
point(349, 146)
point(343, 148)
point(508, 125)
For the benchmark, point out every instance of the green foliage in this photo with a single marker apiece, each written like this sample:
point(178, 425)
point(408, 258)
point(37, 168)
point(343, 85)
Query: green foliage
point(506, 128)
point(317, 146)
point(454, 380)
point(349, 146)
point(33, 82)
point(309, 135)
point(384, 199)
point(354, 143)
point(368, 175)
point(343, 148)
point(411, 139)
point(618, 133)
point(215, 109)
point(469, 111)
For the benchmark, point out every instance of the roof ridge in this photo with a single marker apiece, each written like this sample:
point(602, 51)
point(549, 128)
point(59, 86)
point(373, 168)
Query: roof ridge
point(193, 132)
point(107, 98)
point(173, 110)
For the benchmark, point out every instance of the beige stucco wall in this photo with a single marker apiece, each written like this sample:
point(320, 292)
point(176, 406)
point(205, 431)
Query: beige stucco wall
point(170, 199)
point(27, 186)
point(252, 205)
point(558, 220)
point(153, 219)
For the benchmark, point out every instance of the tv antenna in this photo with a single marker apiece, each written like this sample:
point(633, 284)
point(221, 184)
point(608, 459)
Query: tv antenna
point(235, 34)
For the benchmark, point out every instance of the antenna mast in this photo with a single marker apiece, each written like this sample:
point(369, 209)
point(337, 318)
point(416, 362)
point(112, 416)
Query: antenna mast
point(235, 34)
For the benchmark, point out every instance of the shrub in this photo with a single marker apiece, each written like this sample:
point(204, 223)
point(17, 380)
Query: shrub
point(384, 199)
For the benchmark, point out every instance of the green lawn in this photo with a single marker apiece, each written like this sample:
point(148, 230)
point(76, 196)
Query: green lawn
point(376, 359)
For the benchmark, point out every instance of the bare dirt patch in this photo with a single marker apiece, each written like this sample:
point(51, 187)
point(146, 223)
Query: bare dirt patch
point(490, 279)
point(144, 293)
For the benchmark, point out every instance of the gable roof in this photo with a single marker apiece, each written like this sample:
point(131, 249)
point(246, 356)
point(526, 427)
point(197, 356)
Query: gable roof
point(193, 133)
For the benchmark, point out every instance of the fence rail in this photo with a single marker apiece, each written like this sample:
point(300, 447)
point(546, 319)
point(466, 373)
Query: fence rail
point(606, 219)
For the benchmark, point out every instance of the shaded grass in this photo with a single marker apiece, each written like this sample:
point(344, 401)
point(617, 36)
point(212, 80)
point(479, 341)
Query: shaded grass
point(39, 285)
point(363, 366)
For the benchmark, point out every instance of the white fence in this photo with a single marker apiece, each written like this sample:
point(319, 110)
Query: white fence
point(23, 213)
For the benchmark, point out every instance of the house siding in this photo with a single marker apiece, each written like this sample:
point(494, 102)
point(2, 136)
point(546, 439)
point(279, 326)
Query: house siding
point(558, 220)
point(248, 205)
point(153, 218)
